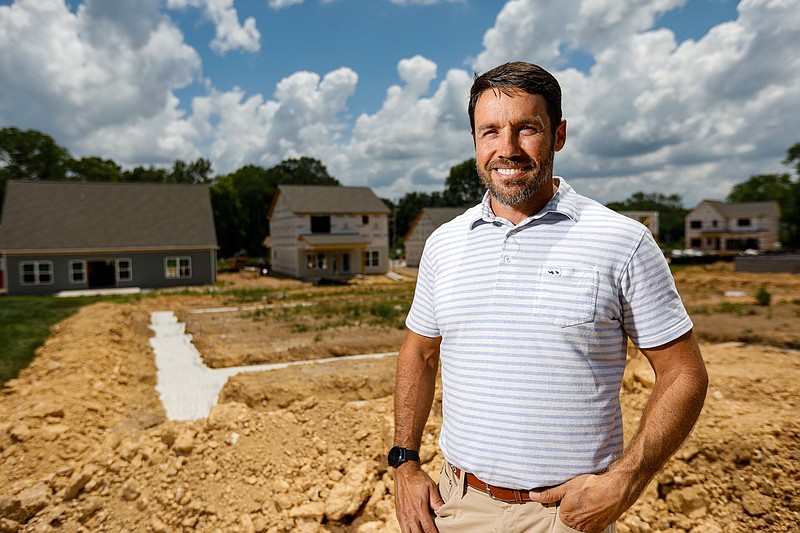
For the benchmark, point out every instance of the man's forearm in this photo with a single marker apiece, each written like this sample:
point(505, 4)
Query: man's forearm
point(669, 415)
point(417, 365)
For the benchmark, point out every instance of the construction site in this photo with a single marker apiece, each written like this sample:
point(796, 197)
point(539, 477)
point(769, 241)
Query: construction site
point(264, 405)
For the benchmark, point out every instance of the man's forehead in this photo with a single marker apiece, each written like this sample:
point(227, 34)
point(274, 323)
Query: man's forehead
point(490, 98)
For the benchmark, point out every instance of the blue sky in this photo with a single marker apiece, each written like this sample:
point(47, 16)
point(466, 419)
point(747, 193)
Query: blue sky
point(674, 96)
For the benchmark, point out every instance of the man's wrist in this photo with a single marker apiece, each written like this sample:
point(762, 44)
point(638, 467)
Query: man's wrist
point(399, 455)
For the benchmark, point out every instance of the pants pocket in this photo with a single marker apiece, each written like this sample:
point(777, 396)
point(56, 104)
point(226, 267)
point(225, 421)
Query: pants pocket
point(562, 527)
point(448, 487)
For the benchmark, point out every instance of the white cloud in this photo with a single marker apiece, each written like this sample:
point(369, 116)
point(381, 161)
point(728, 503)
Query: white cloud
point(652, 114)
point(689, 118)
point(280, 4)
point(109, 69)
point(425, 2)
point(536, 31)
point(300, 120)
point(230, 34)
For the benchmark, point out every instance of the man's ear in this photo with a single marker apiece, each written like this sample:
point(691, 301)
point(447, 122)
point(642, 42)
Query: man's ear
point(561, 136)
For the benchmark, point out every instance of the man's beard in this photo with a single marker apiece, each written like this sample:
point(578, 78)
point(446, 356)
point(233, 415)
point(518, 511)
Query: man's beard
point(518, 191)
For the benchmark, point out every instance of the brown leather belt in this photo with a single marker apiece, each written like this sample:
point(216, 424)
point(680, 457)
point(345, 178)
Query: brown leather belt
point(498, 493)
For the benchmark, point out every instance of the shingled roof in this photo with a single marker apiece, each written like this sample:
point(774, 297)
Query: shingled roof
point(331, 200)
point(60, 216)
point(746, 209)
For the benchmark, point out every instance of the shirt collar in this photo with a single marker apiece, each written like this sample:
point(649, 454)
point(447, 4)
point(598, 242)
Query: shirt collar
point(563, 202)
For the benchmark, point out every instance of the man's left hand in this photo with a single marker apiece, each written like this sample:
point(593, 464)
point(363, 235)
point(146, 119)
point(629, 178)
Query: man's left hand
point(589, 503)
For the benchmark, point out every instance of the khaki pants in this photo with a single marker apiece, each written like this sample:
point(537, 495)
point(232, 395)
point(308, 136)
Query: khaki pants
point(467, 510)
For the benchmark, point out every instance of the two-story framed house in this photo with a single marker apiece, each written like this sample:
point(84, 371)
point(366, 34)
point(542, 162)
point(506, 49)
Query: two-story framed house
point(426, 221)
point(728, 229)
point(327, 232)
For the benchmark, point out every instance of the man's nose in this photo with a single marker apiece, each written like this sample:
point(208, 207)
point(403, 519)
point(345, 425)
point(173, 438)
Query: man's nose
point(508, 144)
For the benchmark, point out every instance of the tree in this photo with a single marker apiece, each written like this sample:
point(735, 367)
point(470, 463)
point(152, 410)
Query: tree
point(94, 169)
point(151, 174)
point(303, 171)
point(30, 155)
point(463, 186)
point(228, 216)
point(671, 214)
point(195, 172)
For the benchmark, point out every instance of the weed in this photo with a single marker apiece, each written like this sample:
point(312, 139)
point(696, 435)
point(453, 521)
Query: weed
point(734, 308)
point(763, 296)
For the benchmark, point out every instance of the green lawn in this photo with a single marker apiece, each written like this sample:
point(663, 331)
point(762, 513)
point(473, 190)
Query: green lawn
point(25, 323)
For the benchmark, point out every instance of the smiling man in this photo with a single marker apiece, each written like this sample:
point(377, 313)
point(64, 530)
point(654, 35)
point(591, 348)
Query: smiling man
point(528, 300)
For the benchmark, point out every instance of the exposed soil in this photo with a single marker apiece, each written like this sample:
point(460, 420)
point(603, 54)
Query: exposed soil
point(85, 445)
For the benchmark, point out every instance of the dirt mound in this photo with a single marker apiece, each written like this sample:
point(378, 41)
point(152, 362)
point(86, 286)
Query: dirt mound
point(85, 445)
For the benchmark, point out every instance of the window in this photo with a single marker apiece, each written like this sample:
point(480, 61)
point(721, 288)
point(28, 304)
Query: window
point(695, 224)
point(695, 243)
point(364, 219)
point(77, 271)
point(178, 267)
point(124, 270)
point(316, 261)
point(743, 222)
point(321, 224)
point(372, 259)
point(36, 272)
point(714, 223)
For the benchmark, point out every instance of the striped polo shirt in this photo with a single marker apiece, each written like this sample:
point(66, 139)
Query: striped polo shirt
point(534, 320)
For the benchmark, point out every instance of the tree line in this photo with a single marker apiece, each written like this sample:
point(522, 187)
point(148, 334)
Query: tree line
point(241, 199)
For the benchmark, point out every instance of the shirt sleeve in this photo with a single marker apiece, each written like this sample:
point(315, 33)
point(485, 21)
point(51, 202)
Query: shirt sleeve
point(653, 313)
point(421, 317)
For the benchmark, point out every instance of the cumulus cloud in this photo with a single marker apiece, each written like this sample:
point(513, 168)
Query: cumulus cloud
point(230, 34)
point(425, 2)
point(651, 114)
point(106, 68)
point(280, 4)
point(300, 120)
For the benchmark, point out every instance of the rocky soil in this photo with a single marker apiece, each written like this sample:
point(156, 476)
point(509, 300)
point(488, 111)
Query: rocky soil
point(85, 444)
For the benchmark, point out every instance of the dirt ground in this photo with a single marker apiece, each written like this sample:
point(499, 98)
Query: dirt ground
point(85, 445)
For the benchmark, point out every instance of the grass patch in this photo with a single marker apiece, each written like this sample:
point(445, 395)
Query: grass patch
point(340, 309)
point(25, 323)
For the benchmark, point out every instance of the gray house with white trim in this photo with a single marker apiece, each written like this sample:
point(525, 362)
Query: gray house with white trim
point(61, 235)
point(327, 232)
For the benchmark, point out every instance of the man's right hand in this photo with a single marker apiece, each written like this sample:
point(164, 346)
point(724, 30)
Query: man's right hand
point(416, 496)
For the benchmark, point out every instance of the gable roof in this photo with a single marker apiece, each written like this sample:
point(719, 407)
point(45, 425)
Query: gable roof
point(745, 209)
point(60, 216)
point(440, 215)
point(437, 216)
point(330, 200)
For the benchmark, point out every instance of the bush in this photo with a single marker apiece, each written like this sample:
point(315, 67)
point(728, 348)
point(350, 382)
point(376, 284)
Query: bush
point(763, 296)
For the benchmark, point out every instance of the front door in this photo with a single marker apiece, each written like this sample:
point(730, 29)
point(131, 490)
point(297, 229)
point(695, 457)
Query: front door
point(101, 274)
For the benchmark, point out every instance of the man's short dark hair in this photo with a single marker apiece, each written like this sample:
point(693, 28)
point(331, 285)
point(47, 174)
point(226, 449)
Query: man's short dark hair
point(522, 76)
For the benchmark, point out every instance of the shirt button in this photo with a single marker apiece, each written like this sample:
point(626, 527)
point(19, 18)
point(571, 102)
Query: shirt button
point(506, 259)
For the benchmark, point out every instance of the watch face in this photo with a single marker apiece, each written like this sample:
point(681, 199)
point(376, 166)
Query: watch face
point(394, 456)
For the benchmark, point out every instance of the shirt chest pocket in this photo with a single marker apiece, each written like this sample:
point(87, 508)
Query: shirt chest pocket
point(567, 296)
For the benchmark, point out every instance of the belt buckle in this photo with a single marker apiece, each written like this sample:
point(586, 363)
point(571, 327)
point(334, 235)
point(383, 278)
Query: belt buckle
point(517, 496)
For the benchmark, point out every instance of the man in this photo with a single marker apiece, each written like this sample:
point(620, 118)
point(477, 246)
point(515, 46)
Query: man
point(528, 300)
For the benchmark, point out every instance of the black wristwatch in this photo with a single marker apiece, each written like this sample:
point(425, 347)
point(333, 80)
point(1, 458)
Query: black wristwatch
point(398, 456)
